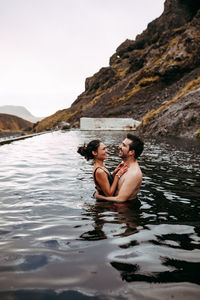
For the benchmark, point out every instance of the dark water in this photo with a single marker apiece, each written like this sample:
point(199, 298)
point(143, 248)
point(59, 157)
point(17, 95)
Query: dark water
point(57, 242)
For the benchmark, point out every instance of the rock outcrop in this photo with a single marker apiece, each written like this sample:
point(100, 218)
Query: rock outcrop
point(150, 79)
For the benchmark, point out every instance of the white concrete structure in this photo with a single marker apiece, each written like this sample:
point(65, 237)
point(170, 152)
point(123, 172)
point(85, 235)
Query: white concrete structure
point(108, 124)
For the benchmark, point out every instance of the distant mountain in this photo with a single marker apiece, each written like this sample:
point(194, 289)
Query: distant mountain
point(13, 123)
point(19, 111)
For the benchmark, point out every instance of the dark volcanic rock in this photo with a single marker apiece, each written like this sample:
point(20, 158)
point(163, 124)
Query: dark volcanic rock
point(180, 119)
point(160, 65)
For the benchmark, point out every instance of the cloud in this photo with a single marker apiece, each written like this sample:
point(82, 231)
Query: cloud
point(49, 47)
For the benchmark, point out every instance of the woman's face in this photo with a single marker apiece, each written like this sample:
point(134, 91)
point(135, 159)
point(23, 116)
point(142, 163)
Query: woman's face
point(102, 152)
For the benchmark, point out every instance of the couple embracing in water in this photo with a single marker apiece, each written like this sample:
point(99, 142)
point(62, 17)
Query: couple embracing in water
point(124, 183)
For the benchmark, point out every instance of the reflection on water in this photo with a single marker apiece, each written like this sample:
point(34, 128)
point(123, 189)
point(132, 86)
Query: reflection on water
point(55, 237)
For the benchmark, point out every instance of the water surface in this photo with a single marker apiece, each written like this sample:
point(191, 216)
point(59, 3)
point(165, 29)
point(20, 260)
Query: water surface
point(57, 242)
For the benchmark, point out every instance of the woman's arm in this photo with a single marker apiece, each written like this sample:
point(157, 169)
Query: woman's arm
point(102, 179)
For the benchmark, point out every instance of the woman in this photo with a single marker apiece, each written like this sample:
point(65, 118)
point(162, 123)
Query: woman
point(106, 183)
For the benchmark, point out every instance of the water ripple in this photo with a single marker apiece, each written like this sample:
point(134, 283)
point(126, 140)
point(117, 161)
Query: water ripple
point(54, 234)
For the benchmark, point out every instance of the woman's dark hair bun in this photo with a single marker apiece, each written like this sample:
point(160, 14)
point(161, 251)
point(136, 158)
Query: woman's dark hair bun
point(82, 150)
point(86, 150)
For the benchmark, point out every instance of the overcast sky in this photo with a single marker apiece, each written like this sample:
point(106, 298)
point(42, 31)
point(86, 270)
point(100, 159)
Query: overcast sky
point(49, 47)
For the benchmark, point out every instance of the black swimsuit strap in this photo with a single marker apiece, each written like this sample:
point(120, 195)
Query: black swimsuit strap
point(101, 169)
point(95, 175)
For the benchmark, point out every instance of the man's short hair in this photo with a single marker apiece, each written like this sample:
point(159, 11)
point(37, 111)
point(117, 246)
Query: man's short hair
point(136, 144)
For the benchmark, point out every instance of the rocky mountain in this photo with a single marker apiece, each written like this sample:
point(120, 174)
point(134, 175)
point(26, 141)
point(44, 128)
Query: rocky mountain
point(10, 124)
point(19, 111)
point(154, 78)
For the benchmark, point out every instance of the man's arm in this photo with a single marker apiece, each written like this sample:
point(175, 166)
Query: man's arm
point(129, 186)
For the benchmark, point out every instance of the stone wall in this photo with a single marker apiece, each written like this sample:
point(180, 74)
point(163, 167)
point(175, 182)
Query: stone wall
point(108, 124)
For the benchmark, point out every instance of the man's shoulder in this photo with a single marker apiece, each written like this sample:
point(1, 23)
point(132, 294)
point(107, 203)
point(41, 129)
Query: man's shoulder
point(134, 168)
point(134, 172)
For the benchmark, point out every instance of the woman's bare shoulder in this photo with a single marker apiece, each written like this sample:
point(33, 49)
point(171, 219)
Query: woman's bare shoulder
point(100, 170)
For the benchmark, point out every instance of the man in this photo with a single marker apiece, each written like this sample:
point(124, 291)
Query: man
point(130, 182)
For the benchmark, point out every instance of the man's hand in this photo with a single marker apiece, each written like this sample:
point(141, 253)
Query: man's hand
point(96, 194)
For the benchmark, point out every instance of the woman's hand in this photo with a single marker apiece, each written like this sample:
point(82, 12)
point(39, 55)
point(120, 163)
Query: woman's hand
point(122, 170)
point(118, 168)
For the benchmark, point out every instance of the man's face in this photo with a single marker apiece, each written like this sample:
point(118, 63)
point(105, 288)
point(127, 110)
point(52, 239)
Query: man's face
point(124, 148)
